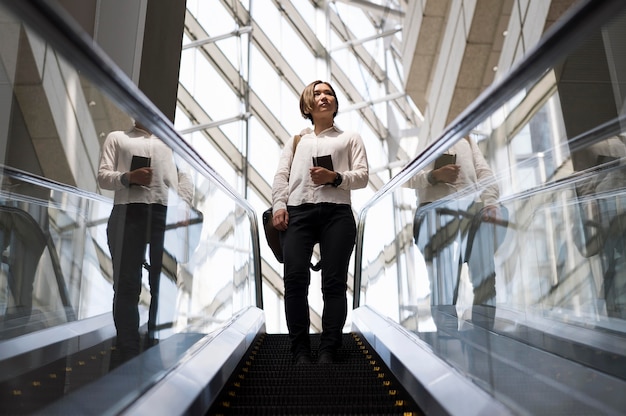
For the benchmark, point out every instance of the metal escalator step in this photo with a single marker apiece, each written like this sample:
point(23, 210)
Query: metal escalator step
point(267, 382)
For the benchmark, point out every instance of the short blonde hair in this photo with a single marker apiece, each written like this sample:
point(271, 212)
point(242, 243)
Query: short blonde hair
point(307, 99)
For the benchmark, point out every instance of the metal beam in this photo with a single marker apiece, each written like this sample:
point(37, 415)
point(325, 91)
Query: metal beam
point(355, 42)
point(372, 7)
point(200, 42)
point(356, 106)
point(206, 126)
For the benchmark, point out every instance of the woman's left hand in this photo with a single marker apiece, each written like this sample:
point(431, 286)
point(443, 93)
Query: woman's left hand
point(280, 219)
point(490, 213)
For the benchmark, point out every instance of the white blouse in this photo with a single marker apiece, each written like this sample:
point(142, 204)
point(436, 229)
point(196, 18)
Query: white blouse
point(115, 160)
point(473, 170)
point(292, 181)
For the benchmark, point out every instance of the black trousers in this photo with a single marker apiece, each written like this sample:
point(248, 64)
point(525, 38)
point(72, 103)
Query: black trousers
point(130, 228)
point(478, 240)
point(334, 228)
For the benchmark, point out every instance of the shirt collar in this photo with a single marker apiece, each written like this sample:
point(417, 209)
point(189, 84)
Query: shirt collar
point(311, 131)
point(333, 127)
point(142, 131)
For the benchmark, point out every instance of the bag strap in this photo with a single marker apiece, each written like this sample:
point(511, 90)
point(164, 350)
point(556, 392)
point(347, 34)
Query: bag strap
point(471, 149)
point(296, 140)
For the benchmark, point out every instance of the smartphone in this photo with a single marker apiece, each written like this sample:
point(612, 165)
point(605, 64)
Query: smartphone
point(140, 162)
point(323, 161)
point(445, 159)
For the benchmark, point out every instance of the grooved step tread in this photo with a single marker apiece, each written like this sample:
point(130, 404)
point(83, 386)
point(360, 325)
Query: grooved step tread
point(268, 382)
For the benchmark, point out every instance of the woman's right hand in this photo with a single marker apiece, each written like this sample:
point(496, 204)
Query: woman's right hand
point(447, 174)
point(280, 219)
point(141, 176)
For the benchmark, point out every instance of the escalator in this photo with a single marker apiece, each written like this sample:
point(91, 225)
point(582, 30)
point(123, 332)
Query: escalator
point(492, 364)
point(267, 382)
point(239, 370)
point(556, 353)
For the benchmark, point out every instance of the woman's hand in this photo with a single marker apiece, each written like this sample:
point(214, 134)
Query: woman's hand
point(321, 176)
point(280, 219)
point(490, 213)
point(141, 176)
point(447, 174)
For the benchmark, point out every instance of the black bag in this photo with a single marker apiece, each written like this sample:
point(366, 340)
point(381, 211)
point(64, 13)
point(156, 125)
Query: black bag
point(271, 234)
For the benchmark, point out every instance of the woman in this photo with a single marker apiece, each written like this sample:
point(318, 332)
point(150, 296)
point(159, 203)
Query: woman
point(311, 204)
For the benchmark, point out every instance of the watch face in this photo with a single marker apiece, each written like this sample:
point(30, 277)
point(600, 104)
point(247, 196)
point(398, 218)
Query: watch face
point(338, 180)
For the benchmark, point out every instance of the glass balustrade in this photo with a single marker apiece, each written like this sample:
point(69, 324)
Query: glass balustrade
point(546, 148)
point(55, 260)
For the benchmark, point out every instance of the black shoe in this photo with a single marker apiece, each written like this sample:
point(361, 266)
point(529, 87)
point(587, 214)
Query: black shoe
point(303, 359)
point(326, 357)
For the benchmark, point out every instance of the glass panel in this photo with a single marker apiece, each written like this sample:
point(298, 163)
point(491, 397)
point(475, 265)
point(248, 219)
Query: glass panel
point(522, 217)
point(57, 214)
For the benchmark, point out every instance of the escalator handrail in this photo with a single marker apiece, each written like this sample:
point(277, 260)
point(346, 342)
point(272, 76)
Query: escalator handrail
point(560, 39)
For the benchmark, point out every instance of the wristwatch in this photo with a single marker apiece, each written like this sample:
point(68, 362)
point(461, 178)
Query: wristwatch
point(124, 179)
point(338, 180)
point(431, 178)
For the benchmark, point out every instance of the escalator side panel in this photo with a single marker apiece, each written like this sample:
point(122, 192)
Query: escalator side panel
point(117, 389)
point(36, 349)
point(196, 381)
point(434, 385)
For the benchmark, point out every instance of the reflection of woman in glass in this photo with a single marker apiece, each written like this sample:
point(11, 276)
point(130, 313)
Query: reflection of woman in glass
point(604, 215)
point(463, 167)
point(140, 168)
point(311, 204)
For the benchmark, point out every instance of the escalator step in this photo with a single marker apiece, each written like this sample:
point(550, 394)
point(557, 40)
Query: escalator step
point(267, 382)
